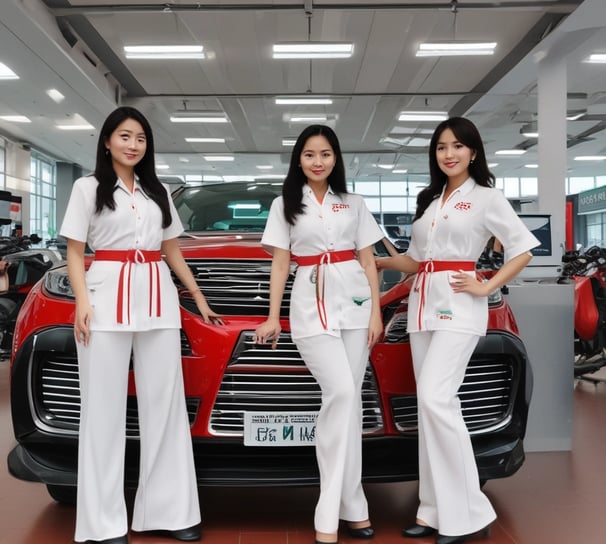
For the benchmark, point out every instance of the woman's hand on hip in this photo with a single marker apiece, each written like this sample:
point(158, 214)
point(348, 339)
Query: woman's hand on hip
point(462, 282)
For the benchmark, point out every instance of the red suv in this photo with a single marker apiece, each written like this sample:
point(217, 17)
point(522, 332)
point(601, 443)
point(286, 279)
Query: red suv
point(251, 408)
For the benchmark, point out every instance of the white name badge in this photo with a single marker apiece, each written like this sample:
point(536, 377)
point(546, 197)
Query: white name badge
point(280, 428)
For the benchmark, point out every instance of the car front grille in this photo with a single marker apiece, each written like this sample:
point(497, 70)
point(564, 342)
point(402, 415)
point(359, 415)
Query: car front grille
point(485, 395)
point(56, 395)
point(261, 379)
point(238, 287)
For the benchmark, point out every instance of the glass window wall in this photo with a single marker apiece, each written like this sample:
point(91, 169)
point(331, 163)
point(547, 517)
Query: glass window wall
point(43, 221)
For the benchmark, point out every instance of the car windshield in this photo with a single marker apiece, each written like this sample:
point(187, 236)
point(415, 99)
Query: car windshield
point(234, 207)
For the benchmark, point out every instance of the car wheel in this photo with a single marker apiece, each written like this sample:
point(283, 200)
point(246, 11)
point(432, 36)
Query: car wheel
point(64, 494)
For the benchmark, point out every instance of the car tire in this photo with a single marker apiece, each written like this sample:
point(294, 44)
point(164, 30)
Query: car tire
point(64, 494)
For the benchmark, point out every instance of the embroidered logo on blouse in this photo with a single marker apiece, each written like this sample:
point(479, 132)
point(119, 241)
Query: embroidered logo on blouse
point(338, 207)
point(359, 301)
point(464, 206)
point(445, 315)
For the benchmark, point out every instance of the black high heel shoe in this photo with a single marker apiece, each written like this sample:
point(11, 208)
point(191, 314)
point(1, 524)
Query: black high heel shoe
point(361, 532)
point(418, 531)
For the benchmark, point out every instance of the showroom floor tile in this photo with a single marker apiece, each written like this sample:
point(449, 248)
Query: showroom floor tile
point(555, 498)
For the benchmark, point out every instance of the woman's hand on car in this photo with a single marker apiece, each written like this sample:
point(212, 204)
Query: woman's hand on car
point(269, 331)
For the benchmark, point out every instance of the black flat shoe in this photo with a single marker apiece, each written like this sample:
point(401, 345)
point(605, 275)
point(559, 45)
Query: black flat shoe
point(418, 531)
point(361, 532)
point(443, 539)
point(189, 534)
point(115, 540)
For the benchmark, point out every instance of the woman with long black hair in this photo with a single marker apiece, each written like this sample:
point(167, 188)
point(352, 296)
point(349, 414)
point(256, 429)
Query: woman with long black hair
point(335, 317)
point(447, 314)
point(127, 302)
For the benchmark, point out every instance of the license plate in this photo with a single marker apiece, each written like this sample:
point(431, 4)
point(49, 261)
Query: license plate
point(280, 428)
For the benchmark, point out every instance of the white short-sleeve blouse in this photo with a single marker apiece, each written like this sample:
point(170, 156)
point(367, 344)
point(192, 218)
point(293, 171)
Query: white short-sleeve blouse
point(458, 230)
point(339, 223)
point(136, 223)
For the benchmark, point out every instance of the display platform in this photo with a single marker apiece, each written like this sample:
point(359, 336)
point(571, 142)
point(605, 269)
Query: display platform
point(544, 313)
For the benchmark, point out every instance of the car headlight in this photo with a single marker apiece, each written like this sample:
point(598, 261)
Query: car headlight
point(56, 282)
point(395, 330)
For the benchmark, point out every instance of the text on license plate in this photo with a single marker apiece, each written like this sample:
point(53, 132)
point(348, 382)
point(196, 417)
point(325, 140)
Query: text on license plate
point(280, 428)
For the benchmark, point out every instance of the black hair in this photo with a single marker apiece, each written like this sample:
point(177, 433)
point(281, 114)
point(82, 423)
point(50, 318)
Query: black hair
point(466, 133)
point(292, 190)
point(145, 168)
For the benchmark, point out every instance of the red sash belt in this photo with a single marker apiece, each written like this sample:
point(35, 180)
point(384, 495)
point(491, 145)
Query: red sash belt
point(328, 257)
point(128, 257)
point(426, 268)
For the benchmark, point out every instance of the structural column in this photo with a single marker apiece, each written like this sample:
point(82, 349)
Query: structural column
point(552, 86)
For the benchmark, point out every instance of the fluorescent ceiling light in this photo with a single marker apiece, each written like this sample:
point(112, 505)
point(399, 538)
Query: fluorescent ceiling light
point(399, 171)
point(265, 167)
point(219, 158)
point(597, 58)
point(77, 123)
point(205, 140)
point(6, 72)
point(530, 130)
point(15, 118)
point(183, 159)
point(418, 142)
point(492, 164)
point(164, 51)
point(316, 118)
point(302, 100)
point(590, 158)
point(384, 166)
point(162, 166)
point(423, 116)
point(192, 116)
point(55, 95)
point(575, 116)
point(312, 50)
point(456, 48)
point(410, 131)
point(75, 127)
point(512, 152)
point(531, 165)
point(288, 141)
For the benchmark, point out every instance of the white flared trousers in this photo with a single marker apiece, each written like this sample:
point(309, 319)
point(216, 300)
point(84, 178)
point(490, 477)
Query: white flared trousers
point(449, 488)
point(338, 365)
point(167, 494)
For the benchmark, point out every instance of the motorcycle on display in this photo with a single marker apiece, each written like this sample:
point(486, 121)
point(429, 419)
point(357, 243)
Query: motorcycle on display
point(21, 266)
point(587, 270)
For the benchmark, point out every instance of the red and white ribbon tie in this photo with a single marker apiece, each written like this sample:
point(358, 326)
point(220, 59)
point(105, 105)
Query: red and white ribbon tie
point(321, 260)
point(426, 268)
point(128, 258)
